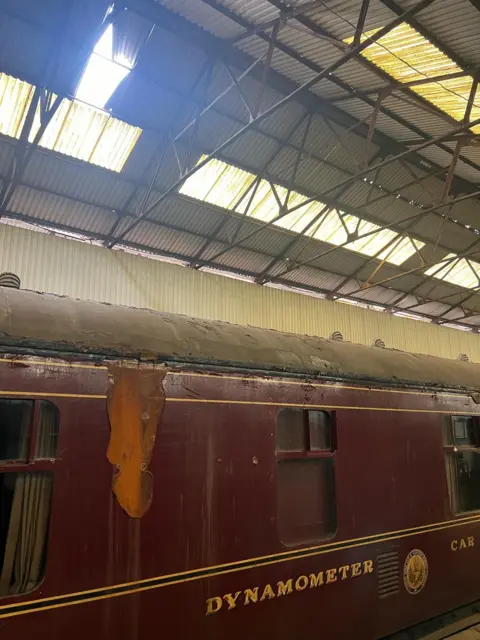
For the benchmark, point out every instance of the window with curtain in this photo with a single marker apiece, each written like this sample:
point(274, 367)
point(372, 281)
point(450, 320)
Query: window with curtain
point(461, 438)
point(28, 447)
point(305, 453)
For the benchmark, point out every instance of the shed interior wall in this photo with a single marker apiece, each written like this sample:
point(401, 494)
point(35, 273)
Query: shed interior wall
point(47, 263)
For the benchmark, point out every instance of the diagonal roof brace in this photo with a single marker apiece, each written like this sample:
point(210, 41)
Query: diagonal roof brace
point(283, 101)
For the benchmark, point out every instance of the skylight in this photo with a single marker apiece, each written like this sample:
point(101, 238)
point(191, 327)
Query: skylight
point(407, 56)
point(77, 129)
point(102, 74)
point(462, 272)
point(224, 185)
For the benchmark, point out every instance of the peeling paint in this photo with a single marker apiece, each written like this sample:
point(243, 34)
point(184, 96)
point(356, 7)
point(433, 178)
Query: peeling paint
point(135, 403)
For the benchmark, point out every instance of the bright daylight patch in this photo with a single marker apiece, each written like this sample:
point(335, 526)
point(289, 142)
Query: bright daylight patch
point(227, 186)
point(102, 74)
point(461, 271)
point(77, 129)
point(407, 56)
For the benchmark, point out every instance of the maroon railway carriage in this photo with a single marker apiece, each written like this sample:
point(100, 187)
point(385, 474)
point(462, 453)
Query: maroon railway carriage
point(163, 476)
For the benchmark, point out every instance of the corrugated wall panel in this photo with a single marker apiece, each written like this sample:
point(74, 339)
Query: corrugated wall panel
point(51, 264)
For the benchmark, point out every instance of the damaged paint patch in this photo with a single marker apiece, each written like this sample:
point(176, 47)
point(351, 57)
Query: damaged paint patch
point(135, 403)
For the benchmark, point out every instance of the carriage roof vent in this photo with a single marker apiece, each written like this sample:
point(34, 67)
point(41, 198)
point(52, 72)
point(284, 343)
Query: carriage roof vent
point(379, 343)
point(10, 280)
point(336, 335)
point(463, 357)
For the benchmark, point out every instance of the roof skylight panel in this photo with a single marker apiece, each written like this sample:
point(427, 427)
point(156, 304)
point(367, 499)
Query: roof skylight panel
point(77, 129)
point(227, 186)
point(407, 56)
point(461, 271)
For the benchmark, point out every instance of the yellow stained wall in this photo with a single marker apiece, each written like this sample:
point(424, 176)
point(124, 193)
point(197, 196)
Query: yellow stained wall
point(51, 264)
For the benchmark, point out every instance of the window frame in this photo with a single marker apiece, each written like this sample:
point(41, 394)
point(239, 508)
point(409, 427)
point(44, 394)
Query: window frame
point(31, 463)
point(307, 455)
point(34, 465)
point(450, 448)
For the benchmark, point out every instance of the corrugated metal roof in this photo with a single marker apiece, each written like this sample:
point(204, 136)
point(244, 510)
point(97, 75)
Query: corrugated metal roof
point(407, 56)
point(358, 76)
point(456, 24)
point(255, 11)
point(78, 180)
point(363, 111)
point(15, 96)
point(205, 16)
point(130, 32)
point(76, 129)
point(62, 211)
point(424, 117)
point(7, 151)
point(224, 185)
point(340, 17)
point(310, 45)
point(168, 66)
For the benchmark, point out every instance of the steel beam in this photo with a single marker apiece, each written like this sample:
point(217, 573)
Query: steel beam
point(373, 123)
point(24, 150)
point(361, 22)
point(266, 68)
point(158, 157)
point(252, 189)
point(282, 102)
point(209, 43)
point(395, 86)
point(417, 100)
point(458, 146)
point(345, 244)
point(397, 9)
point(390, 160)
point(241, 93)
point(182, 257)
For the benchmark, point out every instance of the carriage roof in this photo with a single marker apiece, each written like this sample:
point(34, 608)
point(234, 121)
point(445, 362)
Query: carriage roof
point(58, 324)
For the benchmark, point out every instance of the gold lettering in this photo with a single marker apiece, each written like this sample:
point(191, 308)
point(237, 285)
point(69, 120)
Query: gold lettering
point(231, 600)
point(471, 541)
point(463, 544)
point(313, 580)
point(301, 583)
point(284, 588)
point(331, 575)
point(454, 545)
point(344, 571)
point(316, 580)
point(368, 566)
point(213, 605)
point(251, 595)
point(268, 593)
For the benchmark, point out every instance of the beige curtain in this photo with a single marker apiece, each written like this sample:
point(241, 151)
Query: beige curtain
point(23, 561)
point(27, 533)
point(452, 479)
point(46, 445)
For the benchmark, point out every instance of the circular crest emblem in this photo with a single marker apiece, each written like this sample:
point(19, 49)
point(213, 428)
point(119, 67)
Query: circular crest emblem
point(415, 571)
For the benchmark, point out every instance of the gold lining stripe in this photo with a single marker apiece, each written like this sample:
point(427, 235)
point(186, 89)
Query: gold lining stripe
point(259, 379)
point(53, 394)
point(45, 363)
point(320, 406)
point(223, 569)
point(314, 383)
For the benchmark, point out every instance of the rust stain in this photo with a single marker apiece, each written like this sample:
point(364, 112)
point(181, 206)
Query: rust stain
point(135, 403)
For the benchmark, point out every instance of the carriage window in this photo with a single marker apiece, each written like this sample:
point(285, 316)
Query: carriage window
point(306, 506)
point(28, 445)
point(15, 422)
point(462, 453)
